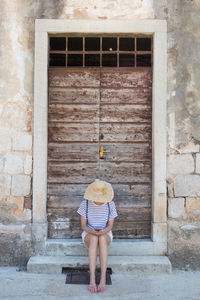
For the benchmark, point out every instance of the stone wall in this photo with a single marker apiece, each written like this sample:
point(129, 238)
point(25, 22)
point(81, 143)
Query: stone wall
point(183, 176)
point(16, 116)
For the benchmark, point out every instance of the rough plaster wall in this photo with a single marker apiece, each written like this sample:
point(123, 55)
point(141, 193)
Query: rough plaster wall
point(16, 115)
point(183, 102)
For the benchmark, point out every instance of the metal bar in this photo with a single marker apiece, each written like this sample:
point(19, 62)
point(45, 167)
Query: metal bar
point(83, 51)
point(99, 52)
point(117, 51)
point(96, 69)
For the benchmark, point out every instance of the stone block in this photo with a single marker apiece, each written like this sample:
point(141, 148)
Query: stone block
point(16, 114)
point(147, 3)
point(20, 185)
point(176, 207)
point(170, 189)
point(22, 141)
point(28, 164)
point(5, 144)
point(183, 244)
point(180, 164)
point(187, 185)
point(198, 163)
point(15, 244)
point(5, 184)
point(12, 211)
point(159, 232)
point(20, 206)
point(39, 231)
point(192, 204)
point(13, 163)
point(2, 162)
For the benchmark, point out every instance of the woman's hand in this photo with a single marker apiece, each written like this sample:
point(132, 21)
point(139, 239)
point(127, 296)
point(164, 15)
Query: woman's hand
point(99, 232)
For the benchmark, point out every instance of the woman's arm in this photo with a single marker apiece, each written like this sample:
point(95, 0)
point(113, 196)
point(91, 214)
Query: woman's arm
point(86, 228)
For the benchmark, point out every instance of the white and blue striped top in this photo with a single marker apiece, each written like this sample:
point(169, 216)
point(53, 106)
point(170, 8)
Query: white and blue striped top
point(97, 214)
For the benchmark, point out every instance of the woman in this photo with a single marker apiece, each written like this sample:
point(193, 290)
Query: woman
point(97, 219)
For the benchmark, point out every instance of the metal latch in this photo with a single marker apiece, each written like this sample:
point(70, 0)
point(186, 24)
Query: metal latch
point(102, 151)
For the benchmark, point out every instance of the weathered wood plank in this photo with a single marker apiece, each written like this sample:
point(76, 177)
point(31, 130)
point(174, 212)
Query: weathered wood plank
point(127, 152)
point(73, 113)
point(69, 196)
point(137, 95)
point(72, 172)
point(120, 230)
point(90, 152)
point(125, 172)
point(125, 132)
point(126, 79)
point(73, 152)
point(125, 113)
point(132, 214)
point(87, 172)
point(125, 190)
point(74, 95)
point(131, 230)
point(63, 230)
point(63, 215)
point(55, 201)
point(139, 195)
point(132, 222)
point(67, 190)
point(73, 132)
point(82, 78)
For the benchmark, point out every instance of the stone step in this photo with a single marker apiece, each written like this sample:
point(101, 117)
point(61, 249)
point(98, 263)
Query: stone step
point(125, 247)
point(119, 264)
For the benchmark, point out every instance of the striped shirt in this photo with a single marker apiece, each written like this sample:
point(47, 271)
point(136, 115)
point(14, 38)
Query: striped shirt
point(97, 214)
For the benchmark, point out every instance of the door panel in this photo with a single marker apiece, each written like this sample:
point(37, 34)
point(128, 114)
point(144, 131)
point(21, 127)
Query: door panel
point(93, 107)
point(73, 146)
point(125, 123)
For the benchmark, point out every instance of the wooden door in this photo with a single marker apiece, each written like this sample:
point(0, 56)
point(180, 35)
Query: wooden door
point(89, 108)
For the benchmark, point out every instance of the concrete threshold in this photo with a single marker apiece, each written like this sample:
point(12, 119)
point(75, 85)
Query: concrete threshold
point(119, 264)
point(119, 247)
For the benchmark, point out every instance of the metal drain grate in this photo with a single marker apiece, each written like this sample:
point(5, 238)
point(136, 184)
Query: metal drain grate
point(82, 276)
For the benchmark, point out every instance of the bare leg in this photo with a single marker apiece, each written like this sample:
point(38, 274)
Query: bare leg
point(104, 241)
point(92, 244)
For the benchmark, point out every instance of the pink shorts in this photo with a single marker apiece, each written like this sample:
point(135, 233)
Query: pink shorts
point(84, 233)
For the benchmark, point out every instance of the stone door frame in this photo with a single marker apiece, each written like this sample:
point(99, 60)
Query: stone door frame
point(158, 28)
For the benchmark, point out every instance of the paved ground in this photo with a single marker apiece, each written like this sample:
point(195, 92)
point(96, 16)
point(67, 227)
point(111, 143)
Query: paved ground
point(17, 285)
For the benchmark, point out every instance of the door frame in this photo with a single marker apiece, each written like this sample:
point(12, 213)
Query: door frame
point(158, 28)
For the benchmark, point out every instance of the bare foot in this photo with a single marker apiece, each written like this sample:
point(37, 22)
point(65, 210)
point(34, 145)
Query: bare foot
point(92, 288)
point(101, 287)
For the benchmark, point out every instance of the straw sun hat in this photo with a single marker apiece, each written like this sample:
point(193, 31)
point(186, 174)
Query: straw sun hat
point(99, 191)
